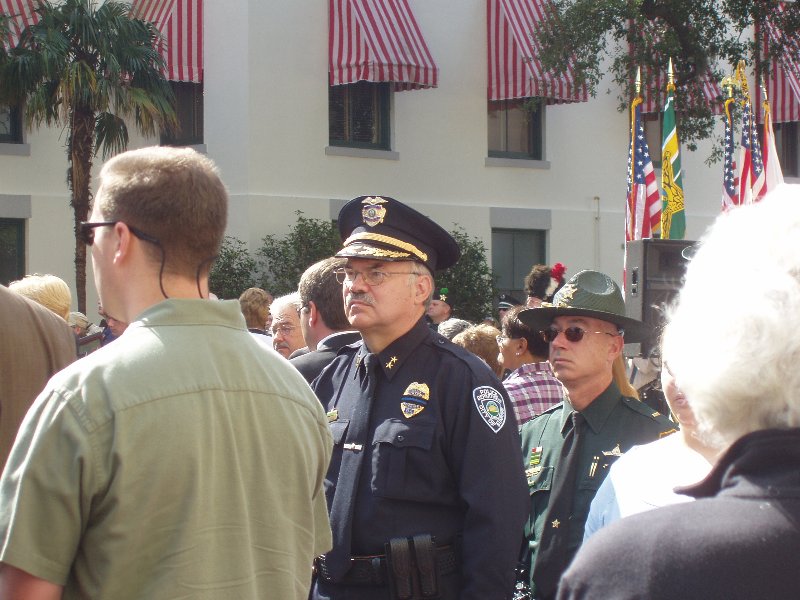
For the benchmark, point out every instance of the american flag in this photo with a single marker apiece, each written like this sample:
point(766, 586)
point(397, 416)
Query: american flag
point(730, 180)
point(751, 167)
point(643, 211)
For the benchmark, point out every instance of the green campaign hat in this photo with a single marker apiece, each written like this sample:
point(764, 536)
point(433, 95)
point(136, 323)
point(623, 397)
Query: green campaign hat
point(587, 294)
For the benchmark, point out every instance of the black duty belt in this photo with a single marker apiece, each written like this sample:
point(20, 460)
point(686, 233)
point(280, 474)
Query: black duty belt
point(372, 570)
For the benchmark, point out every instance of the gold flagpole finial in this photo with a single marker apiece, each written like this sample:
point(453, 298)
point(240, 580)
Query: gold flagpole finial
point(638, 80)
point(728, 83)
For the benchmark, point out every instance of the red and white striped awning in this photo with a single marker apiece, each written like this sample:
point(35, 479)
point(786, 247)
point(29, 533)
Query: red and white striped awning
point(22, 14)
point(181, 24)
point(379, 41)
point(184, 51)
point(157, 12)
point(180, 21)
point(783, 83)
point(514, 67)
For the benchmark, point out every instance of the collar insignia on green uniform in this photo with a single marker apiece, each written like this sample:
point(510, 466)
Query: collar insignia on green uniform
point(414, 399)
point(490, 406)
point(373, 212)
point(667, 432)
point(333, 415)
point(613, 452)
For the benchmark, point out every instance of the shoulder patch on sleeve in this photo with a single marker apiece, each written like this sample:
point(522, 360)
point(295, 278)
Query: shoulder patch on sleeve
point(491, 406)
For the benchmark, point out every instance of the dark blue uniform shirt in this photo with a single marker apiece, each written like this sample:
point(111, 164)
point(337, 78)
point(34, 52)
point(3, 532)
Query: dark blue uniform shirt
point(442, 459)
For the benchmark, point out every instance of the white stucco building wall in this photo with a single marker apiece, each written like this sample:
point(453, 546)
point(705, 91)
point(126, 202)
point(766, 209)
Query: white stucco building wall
point(266, 126)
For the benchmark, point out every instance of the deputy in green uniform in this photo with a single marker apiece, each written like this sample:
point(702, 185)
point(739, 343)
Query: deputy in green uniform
point(567, 451)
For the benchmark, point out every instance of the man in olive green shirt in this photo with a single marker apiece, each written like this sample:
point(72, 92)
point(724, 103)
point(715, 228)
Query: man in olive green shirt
point(585, 326)
point(181, 461)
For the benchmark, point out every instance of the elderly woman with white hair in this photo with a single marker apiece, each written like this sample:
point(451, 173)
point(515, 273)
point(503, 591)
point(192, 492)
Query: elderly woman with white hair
point(736, 356)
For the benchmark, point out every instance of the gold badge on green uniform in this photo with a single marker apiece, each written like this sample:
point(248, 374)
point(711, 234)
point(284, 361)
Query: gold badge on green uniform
point(414, 399)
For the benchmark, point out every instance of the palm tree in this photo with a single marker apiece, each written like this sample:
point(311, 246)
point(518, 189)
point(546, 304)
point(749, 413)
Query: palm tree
point(87, 66)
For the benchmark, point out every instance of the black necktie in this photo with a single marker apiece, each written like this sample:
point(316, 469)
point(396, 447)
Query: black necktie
point(337, 561)
point(552, 550)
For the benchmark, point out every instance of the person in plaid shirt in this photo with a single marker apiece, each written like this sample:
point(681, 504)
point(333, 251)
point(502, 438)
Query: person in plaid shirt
point(532, 386)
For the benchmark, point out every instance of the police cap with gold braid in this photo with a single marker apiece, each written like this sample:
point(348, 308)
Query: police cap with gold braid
point(382, 228)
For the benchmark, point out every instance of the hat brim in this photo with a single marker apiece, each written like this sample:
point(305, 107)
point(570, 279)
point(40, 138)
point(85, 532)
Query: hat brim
point(541, 317)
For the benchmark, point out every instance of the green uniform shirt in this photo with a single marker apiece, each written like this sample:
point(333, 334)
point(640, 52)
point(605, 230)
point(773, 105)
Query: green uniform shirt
point(614, 423)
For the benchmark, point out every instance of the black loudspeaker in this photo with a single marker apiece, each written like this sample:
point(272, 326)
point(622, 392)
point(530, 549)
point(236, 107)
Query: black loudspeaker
point(654, 272)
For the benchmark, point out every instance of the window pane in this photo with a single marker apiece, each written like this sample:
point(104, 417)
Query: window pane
point(189, 110)
point(358, 115)
point(514, 252)
point(12, 249)
point(518, 130)
point(515, 129)
point(787, 144)
point(10, 125)
point(363, 109)
point(337, 110)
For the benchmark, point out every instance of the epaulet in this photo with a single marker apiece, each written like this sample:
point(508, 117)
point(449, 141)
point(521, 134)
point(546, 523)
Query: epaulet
point(643, 409)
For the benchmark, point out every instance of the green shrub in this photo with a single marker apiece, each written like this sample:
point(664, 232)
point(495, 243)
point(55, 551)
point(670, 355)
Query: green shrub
point(283, 260)
point(470, 280)
point(233, 271)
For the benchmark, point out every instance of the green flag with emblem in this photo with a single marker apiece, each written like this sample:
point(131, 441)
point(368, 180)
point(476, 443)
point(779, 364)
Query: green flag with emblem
point(673, 215)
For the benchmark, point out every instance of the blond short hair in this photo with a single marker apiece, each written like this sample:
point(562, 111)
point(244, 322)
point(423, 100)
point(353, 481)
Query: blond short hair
point(48, 290)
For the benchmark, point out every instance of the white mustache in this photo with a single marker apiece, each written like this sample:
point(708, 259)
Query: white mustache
point(360, 297)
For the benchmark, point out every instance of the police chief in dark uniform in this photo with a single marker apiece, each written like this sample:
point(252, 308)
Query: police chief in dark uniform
point(425, 492)
point(568, 449)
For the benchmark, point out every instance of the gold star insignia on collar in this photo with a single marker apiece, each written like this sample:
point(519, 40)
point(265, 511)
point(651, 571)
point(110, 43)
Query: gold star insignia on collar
point(556, 523)
point(391, 362)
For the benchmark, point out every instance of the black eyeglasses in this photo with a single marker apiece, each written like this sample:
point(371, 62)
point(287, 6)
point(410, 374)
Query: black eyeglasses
point(86, 232)
point(372, 277)
point(573, 334)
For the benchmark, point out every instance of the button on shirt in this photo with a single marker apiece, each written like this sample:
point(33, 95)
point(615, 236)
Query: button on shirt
point(435, 463)
point(533, 388)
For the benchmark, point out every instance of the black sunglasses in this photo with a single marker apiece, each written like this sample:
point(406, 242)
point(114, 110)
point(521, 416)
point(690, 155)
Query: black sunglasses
point(86, 232)
point(573, 334)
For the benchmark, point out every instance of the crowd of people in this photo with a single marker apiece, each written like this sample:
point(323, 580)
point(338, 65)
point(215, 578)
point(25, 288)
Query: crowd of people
point(356, 440)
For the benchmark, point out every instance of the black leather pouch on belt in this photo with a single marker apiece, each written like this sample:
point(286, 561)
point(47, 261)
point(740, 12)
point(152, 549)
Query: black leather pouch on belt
point(412, 569)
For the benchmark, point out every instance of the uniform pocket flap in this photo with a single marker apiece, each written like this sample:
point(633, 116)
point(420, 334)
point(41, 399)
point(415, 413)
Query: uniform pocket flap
point(414, 434)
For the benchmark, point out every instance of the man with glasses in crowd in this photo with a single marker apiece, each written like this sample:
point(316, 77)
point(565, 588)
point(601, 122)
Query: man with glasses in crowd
point(567, 451)
point(287, 337)
point(426, 496)
point(148, 469)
